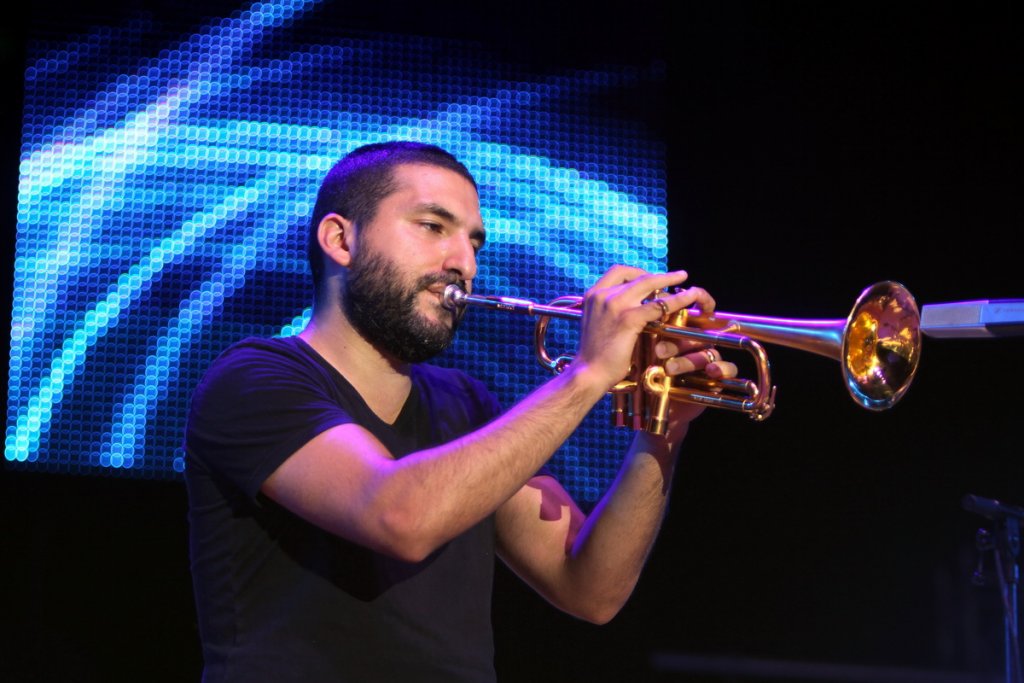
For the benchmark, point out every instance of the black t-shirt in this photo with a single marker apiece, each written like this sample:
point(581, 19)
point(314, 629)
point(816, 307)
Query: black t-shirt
point(278, 599)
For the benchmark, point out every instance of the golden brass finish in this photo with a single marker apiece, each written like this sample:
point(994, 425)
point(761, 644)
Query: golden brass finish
point(878, 346)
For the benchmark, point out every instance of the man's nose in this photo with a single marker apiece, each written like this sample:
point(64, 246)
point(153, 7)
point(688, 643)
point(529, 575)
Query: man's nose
point(461, 257)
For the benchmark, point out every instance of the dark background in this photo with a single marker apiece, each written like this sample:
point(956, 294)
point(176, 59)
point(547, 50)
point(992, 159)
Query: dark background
point(814, 148)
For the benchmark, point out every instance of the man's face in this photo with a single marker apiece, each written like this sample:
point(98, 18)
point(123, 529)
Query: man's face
point(424, 237)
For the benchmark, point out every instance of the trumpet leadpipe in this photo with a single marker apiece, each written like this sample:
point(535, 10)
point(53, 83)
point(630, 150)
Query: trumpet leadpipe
point(455, 298)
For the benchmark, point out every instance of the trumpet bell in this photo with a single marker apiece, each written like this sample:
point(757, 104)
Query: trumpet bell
point(881, 347)
point(878, 345)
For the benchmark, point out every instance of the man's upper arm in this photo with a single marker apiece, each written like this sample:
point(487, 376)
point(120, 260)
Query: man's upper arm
point(330, 482)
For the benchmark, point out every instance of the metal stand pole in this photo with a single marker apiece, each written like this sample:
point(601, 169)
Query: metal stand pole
point(1006, 547)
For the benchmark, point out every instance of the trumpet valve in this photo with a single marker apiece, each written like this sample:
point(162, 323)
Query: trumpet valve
point(658, 386)
point(620, 409)
point(679, 319)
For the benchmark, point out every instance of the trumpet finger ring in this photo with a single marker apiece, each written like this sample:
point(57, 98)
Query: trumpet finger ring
point(664, 307)
point(710, 355)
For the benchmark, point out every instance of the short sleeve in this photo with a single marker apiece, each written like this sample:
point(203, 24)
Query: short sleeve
point(257, 404)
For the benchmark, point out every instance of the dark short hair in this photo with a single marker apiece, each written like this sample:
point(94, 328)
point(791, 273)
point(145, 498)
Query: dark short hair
point(355, 185)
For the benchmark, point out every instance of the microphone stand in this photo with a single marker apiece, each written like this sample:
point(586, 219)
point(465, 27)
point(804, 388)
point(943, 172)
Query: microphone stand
point(1006, 547)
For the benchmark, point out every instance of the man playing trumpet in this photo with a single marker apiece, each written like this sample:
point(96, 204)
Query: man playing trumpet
point(347, 499)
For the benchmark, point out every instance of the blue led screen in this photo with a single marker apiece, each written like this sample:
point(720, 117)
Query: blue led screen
point(167, 173)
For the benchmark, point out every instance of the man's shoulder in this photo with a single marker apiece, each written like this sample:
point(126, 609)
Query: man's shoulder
point(254, 344)
point(255, 359)
point(256, 348)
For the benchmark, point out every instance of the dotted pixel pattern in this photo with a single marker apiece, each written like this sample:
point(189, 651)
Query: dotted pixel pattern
point(167, 175)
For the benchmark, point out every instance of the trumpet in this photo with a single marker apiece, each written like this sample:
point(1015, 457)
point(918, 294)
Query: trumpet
point(878, 346)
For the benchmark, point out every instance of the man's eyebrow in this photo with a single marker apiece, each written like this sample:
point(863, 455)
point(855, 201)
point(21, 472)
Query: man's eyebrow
point(479, 234)
point(437, 210)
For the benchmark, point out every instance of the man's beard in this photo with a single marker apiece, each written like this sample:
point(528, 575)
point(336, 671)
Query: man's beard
point(384, 312)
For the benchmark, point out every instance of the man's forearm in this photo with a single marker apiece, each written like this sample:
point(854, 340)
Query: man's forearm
point(615, 541)
point(446, 489)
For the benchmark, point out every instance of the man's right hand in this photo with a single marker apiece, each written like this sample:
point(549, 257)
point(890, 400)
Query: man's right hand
point(617, 308)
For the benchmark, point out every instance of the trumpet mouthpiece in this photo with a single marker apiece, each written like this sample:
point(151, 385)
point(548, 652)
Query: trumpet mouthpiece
point(454, 298)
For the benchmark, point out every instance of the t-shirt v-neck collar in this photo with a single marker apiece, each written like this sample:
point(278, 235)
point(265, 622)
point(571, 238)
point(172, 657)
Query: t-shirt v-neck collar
point(406, 417)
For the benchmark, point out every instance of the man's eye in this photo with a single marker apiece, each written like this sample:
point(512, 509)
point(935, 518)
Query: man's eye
point(433, 227)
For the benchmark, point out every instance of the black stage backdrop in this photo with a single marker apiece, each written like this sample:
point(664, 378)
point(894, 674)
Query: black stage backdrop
point(814, 148)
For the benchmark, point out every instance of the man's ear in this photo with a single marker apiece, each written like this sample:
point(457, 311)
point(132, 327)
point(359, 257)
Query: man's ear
point(336, 235)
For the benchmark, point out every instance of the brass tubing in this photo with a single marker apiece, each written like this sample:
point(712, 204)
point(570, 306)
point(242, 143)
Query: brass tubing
point(878, 346)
